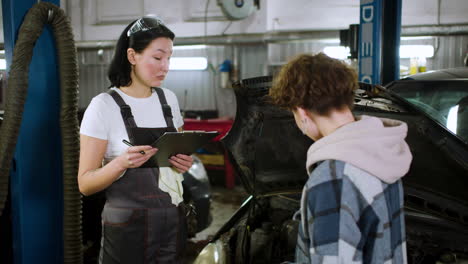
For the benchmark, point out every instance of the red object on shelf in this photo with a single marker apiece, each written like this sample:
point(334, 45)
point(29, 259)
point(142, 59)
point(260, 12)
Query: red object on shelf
point(222, 125)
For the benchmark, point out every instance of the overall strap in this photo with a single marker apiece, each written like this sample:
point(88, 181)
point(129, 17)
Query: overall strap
point(126, 113)
point(165, 107)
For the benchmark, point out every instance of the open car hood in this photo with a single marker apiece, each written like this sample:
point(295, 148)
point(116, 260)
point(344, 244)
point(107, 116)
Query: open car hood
point(256, 145)
point(269, 153)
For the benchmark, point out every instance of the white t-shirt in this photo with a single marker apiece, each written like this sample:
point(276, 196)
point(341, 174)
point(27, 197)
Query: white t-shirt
point(102, 118)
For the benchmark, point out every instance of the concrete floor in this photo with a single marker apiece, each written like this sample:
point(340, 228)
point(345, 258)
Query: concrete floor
point(223, 205)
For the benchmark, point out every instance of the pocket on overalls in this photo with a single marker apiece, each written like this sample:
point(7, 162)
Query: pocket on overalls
point(124, 239)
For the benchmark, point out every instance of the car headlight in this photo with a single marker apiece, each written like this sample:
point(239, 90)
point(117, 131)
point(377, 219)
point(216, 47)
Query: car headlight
point(213, 253)
point(198, 170)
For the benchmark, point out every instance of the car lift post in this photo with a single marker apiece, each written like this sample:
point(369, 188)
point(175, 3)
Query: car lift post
point(379, 41)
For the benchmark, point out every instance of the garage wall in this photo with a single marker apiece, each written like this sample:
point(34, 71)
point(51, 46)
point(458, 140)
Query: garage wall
point(200, 90)
point(279, 53)
point(253, 60)
point(103, 19)
point(195, 90)
point(93, 65)
point(450, 52)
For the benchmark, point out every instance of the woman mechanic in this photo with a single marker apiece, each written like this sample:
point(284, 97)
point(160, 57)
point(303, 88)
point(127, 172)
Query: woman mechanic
point(141, 222)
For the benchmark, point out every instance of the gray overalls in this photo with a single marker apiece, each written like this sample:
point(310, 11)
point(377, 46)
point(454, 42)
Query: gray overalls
point(140, 224)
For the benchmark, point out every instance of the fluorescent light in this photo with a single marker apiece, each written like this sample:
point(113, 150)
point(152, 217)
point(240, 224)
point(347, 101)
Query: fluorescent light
point(188, 63)
point(416, 51)
point(189, 47)
point(417, 38)
point(406, 51)
point(2, 64)
point(337, 52)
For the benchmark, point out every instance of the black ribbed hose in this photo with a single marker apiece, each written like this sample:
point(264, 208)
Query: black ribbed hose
point(37, 17)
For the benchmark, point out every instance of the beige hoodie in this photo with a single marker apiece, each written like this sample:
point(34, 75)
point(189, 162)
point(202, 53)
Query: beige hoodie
point(375, 145)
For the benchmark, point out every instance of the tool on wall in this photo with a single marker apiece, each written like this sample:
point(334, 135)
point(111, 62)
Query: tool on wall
point(225, 68)
point(238, 9)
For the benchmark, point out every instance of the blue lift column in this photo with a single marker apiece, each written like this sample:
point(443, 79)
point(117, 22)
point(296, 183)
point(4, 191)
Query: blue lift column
point(36, 182)
point(379, 41)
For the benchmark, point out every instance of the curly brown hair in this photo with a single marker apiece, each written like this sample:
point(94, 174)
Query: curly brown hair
point(317, 83)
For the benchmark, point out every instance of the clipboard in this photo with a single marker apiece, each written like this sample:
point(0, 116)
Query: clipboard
point(186, 142)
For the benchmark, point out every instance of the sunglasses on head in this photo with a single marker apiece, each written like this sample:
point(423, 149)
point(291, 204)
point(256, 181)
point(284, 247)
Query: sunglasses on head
point(143, 24)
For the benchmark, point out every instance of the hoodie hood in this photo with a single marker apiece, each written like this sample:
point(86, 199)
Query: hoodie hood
point(376, 145)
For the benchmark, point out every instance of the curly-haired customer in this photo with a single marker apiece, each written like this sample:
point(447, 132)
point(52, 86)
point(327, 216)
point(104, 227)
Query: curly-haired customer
point(352, 204)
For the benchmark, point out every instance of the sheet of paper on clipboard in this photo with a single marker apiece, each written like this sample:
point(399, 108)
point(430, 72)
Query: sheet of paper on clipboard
point(186, 142)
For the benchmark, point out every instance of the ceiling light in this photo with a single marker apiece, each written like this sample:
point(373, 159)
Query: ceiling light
point(2, 64)
point(416, 51)
point(188, 63)
point(337, 52)
point(189, 47)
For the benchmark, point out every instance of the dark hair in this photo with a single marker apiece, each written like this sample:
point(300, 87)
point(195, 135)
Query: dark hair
point(317, 83)
point(120, 68)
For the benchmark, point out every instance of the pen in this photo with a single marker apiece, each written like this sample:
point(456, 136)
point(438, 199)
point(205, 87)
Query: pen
point(131, 145)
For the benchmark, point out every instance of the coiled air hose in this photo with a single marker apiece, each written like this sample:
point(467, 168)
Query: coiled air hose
point(40, 14)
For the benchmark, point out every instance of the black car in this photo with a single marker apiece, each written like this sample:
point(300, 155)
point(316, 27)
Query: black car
point(197, 194)
point(269, 152)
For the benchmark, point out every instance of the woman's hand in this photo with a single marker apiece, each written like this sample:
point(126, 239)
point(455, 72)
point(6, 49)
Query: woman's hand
point(93, 178)
point(133, 158)
point(181, 162)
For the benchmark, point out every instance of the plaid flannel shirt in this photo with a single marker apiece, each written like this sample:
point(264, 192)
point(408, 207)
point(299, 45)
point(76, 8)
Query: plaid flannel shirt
point(350, 216)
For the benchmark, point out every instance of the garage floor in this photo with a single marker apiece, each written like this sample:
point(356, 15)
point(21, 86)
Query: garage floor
point(224, 203)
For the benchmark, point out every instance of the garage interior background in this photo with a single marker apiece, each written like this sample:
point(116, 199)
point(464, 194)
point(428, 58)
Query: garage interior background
point(256, 45)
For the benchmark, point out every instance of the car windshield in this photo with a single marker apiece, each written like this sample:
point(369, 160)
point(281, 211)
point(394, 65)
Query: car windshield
point(444, 101)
